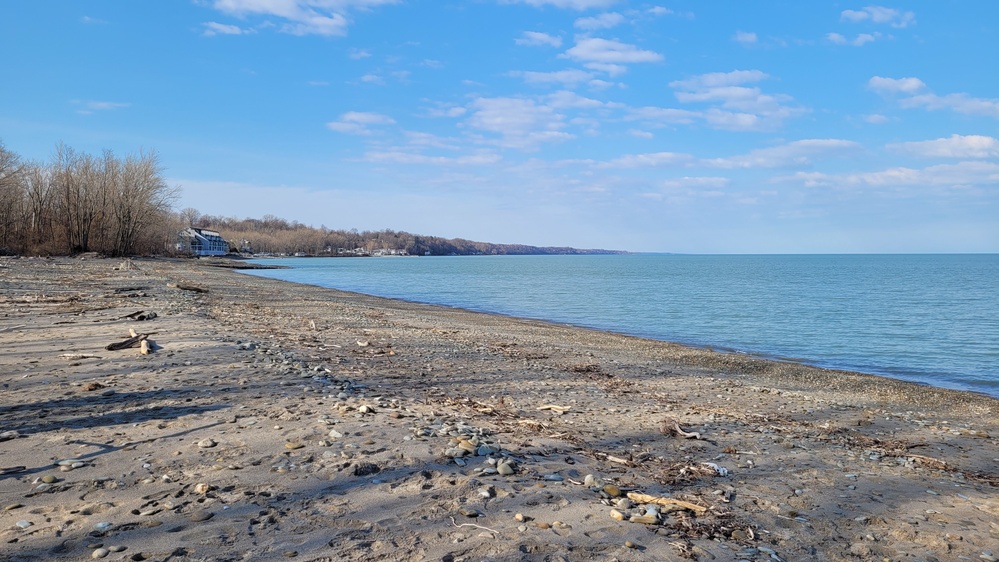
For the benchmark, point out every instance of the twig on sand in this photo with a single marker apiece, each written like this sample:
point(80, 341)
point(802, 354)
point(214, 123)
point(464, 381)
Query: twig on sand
point(473, 525)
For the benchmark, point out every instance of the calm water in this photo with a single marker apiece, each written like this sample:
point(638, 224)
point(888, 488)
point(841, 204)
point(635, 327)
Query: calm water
point(927, 318)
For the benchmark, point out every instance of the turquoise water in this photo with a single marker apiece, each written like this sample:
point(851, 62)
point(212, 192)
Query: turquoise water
point(926, 318)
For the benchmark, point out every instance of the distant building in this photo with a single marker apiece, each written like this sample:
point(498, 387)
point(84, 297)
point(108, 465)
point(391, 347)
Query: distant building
point(202, 242)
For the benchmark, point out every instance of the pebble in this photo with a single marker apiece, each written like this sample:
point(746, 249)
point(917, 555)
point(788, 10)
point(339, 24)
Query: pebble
point(103, 526)
point(469, 512)
point(49, 479)
point(207, 443)
point(611, 490)
point(590, 481)
point(505, 468)
point(293, 446)
point(615, 514)
point(629, 544)
point(100, 553)
point(116, 548)
point(202, 488)
point(13, 506)
point(520, 517)
point(202, 515)
point(24, 524)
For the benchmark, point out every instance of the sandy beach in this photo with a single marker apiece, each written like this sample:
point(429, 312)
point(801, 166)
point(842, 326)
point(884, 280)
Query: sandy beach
point(278, 421)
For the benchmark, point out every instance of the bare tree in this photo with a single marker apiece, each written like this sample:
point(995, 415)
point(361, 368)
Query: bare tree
point(141, 198)
point(11, 199)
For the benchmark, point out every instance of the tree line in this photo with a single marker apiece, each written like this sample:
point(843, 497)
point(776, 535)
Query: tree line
point(121, 205)
point(79, 202)
point(275, 235)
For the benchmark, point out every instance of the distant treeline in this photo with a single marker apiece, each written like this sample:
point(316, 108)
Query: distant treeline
point(118, 206)
point(277, 236)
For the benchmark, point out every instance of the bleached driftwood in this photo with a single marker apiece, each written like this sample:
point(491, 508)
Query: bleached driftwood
point(639, 497)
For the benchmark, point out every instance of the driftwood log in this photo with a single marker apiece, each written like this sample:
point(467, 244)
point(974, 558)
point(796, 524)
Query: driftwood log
point(134, 341)
point(184, 287)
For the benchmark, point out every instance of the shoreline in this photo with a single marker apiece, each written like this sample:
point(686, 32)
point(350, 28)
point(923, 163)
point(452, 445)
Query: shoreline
point(711, 348)
point(287, 420)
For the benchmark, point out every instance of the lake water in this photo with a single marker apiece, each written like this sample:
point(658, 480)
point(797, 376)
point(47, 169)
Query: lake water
point(926, 318)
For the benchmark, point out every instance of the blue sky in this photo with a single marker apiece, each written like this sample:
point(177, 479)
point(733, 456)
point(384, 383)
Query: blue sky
point(727, 126)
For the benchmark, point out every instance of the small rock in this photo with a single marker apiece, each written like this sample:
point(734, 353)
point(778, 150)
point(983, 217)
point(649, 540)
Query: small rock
point(13, 506)
point(469, 512)
point(290, 553)
point(202, 488)
point(117, 548)
point(103, 526)
point(611, 490)
point(520, 517)
point(202, 515)
point(615, 514)
point(100, 553)
point(207, 443)
point(505, 468)
point(366, 469)
point(293, 446)
point(629, 544)
point(49, 479)
point(24, 524)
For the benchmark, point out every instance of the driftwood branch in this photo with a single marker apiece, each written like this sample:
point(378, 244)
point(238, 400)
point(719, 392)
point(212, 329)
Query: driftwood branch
point(184, 287)
point(666, 502)
point(134, 341)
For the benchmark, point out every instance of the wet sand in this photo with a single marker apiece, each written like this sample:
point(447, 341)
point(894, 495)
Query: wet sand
point(282, 421)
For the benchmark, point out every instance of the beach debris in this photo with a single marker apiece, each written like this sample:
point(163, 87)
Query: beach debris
point(555, 408)
point(671, 426)
point(140, 315)
point(78, 356)
point(184, 287)
point(8, 435)
point(134, 341)
point(639, 497)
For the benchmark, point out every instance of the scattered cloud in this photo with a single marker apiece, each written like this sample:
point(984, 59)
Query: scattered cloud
point(610, 56)
point(402, 157)
point(214, 28)
point(795, 154)
point(517, 122)
point(895, 85)
point(568, 78)
point(744, 37)
point(317, 83)
point(648, 160)
point(954, 176)
point(879, 14)
point(875, 119)
point(358, 54)
point(606, 20)
point(91, 107)
point(660, 11)
point(568, 4)
point(92, 21)
point(358, 123)
point(955, 146)
point(912, 94)
point(638, 133)
point(372, 78)
point(857, 41)
point(538, 39)
point(736, 106)
point(703, 182)
point(301, 17)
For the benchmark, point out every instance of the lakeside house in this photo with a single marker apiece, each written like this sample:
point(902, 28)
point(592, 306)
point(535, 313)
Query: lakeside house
point(202, 242)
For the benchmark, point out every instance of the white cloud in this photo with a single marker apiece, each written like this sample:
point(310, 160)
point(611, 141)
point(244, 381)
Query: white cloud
point(538, 39)
point(744, 37)
point(357, 122)
point(91, 107)
point(895, 85)
point(92, 21)
point(214, 28)
point(880, 14)
point(358, 54)
point(606, 55)
point(518, 122)
point(593, 49)
point(737, 107)
point(401, 157)
point(954, 176)
point(606, 20)
point(569, 4)
point(858, 41)
point(571, 77)
point(697, 182)
point(793, 154)
point(719, 79)
point(875, 119)
point(647, 160)
point(371, 78)
point(640, 134)
point(910, 90)
point(301, 17)
point(955, 146)
point(660, 11)
point(566, 99)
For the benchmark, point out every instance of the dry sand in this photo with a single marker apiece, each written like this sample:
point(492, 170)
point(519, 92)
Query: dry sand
point(278, 421)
